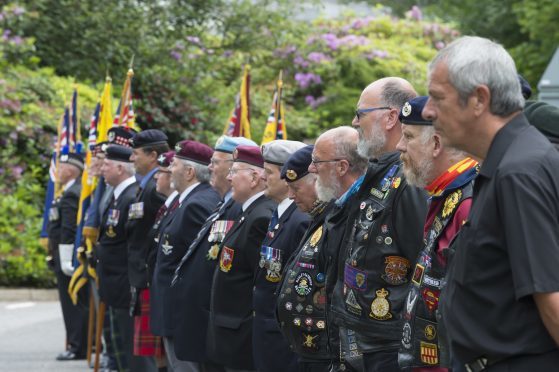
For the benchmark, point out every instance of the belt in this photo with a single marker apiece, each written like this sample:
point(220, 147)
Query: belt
point(477, 365)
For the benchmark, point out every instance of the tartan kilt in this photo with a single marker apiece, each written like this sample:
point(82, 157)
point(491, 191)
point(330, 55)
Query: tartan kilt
point(145, 342)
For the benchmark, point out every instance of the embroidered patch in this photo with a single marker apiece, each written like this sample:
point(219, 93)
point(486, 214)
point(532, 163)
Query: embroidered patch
point(380, 307)
point(319, 299)
point(432, 282)
point(377, 193)
point(352, 305)
point(431, 298)
point(395, 270)
point(213, 252)
point(303, 284)
point(166, 248)
point(226, 259)
point(355, 278)
point(310, 341)
point(430, 332)
point(406, 336)
point(410, 301)
point(450, 203)
point(429, 354)
point(418, 274)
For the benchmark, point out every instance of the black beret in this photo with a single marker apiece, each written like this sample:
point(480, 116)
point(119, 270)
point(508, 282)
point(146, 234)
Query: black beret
point(120, 135)
point(410, 113)
point(118, 153)
point(73, 159)
point(544, 117)
point(525, 87)
point(297, 166)
point(149, 137)
point(194, 151)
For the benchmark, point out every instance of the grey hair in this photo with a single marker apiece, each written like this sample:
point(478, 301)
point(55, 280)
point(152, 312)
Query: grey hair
point(202, 171)
point(473, 61)
point(345, 146)
point(395, 93)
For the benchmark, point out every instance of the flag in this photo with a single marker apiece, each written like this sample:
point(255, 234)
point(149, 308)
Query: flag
point(125, 112)
point(49, 197)
point(92, 135)
point(239, 121)
point(105, 121)
point(75, 131)
point(275, 125)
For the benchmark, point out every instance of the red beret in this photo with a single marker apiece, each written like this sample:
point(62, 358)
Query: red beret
point(249, 154)
point(164, 160)
point(194, 151)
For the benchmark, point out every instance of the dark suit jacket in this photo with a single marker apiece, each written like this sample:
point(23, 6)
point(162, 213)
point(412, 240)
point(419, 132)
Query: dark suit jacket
point(140, 249)
point(191, 291)
point(112, 253)
point(230, 340)
point(271, 351)
point(174, 239)
point(63, 229)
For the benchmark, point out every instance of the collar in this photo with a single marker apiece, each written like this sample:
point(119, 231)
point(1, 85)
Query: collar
point(227, 196)
point(69, 184)
point(503, 139)
point(147, 177)
point(170, 198)
point(251, 200)
point(122, 186)
point(283, 205)
point(185, 193)
point(454, 177)
point(352, 190)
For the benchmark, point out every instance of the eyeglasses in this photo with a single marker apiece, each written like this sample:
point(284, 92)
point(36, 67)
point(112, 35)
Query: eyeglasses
point(359, 113)
point(233, 171)
point(315, 162)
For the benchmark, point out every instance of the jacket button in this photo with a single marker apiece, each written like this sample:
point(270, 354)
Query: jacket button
point(253, 313)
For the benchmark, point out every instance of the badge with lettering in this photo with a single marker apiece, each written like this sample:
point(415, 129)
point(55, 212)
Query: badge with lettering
point(315, 238)
point(113, 217)
point(54, 214)
point(377, 193)
point(418, 274)
point(355, 278)
point(431, 298)
point(303, 284)
point(351, 303)
point(136, 211)
point(450, 203)
point(429, 353)
point(213, 252)
point(310, 341)
point(166, 248)
point(380, 307)
point(432, 282)
point(395, 270)
point(226, 259)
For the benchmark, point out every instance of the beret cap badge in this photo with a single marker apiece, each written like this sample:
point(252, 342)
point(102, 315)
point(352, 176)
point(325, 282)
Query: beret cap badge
point(406, 110)
point(291, 174)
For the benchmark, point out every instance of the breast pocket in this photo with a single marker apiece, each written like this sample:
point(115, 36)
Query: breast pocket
point(460, 266)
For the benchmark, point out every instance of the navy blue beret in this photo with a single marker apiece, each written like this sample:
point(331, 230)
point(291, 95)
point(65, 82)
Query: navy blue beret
point(149, 137)
point(118, 153)
point(410, 113)
point(297, 166)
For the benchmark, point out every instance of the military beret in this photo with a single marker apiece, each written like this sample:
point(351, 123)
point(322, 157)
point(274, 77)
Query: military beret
point(249, 154)
point(194, 151)
point(149, 137)
point(544, 117)
point(277, 152)
point(525, 87)
point(118, 153)
point(120, 136)
point(164, 160)
point(73, 159)
point(410, 114)
point(228, 144)
point(99, 148)
point(297, 166)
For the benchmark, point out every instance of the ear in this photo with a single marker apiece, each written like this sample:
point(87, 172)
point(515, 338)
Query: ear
point(153, 155)
point(437, 145)
point(342, 167)
point(391, 119)
point(480, 99)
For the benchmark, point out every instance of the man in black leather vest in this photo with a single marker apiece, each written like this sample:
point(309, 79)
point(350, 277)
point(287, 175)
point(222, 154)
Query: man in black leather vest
point(382, 237)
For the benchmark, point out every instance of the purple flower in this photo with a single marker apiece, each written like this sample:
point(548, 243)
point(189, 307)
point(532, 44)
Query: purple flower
point(300, 61)
point(6, 34)
point(227, 53)
point(193, 39)
point(1, 16)
point(315, 102)
point(179, 45)
point(375, 53)
point(2, 171)
point(13, 136)
point(416, 13)
point(439, 45)
point(331, 40)
point(17, 40)
point(353, 40)
point(317, 57)
point(312, 40)
point(304, 80)
point(285, 51)
point(176, 55)
point(18, 11)
point(17, 171)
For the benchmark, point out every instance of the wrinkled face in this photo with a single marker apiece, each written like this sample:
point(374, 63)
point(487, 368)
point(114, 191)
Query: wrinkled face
point(416, 156)
point(219, 167)
point(111, 172)
point(324, 166)
point(372, 137)
point(163, 181)
point(242, 177)
point(65, 172)
point(142, 161)
point(303, 192)
point(450, 118)
point(276, 188)
point(179, 174)
point(95, 166)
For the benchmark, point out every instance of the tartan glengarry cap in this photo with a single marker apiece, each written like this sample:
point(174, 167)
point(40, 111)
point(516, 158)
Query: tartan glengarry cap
point(99, 148)
point(164, 160)
point(118, 153)
point(73, 159)
point(410, 114)
point(194, 151)
point(228, 144)
point(277, 152)
point(297, 166)
point(249, 154)
point(149, 137)
point(120, 136)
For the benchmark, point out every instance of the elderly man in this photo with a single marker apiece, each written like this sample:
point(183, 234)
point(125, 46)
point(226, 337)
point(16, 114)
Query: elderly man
point(501, 302)
point(62, 232)
point(446, 174)
point(383, 235)
point(286, 228)
point(192, 281)
point(230, 330)
point(112, 252)
point(304, 293)
point(197, 199)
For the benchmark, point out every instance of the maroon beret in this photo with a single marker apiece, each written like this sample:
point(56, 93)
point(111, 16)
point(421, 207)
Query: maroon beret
point(164, 160)
point(250, 155)
point(194, 151)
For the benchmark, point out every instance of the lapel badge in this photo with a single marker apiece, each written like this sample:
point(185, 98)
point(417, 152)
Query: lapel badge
point(380, 307)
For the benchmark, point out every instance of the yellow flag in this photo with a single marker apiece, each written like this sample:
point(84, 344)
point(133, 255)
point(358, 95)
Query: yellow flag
point(105, 115)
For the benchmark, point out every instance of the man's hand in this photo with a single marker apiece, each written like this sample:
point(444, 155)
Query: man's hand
point(548, 306)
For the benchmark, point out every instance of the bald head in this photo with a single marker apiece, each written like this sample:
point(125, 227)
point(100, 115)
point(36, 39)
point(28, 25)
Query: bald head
point(378, 108)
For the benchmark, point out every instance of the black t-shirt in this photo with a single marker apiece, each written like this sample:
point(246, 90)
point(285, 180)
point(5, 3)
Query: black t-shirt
point(507, 251)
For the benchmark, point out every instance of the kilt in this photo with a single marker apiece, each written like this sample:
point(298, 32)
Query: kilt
point(145, 343)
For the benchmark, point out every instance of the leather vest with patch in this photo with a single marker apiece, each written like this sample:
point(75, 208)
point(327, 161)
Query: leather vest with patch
point(302, 299)
point(375, 273)
point(421, 345)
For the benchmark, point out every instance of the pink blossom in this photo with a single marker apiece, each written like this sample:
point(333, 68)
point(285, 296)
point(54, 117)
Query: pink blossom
point(439, 45)
point(227, 53)
point(416, 13)
point(17, 40)
point(375, 53)
point(353, 40)
point(18, 11)
point(315, 102)
point(17, 171)
point(193, 39)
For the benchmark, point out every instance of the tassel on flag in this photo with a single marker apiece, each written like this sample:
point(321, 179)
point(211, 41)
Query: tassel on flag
point(275, 126)
point(239, 121)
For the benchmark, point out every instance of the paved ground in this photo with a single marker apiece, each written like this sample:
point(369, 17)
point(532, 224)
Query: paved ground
point(31, 335)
